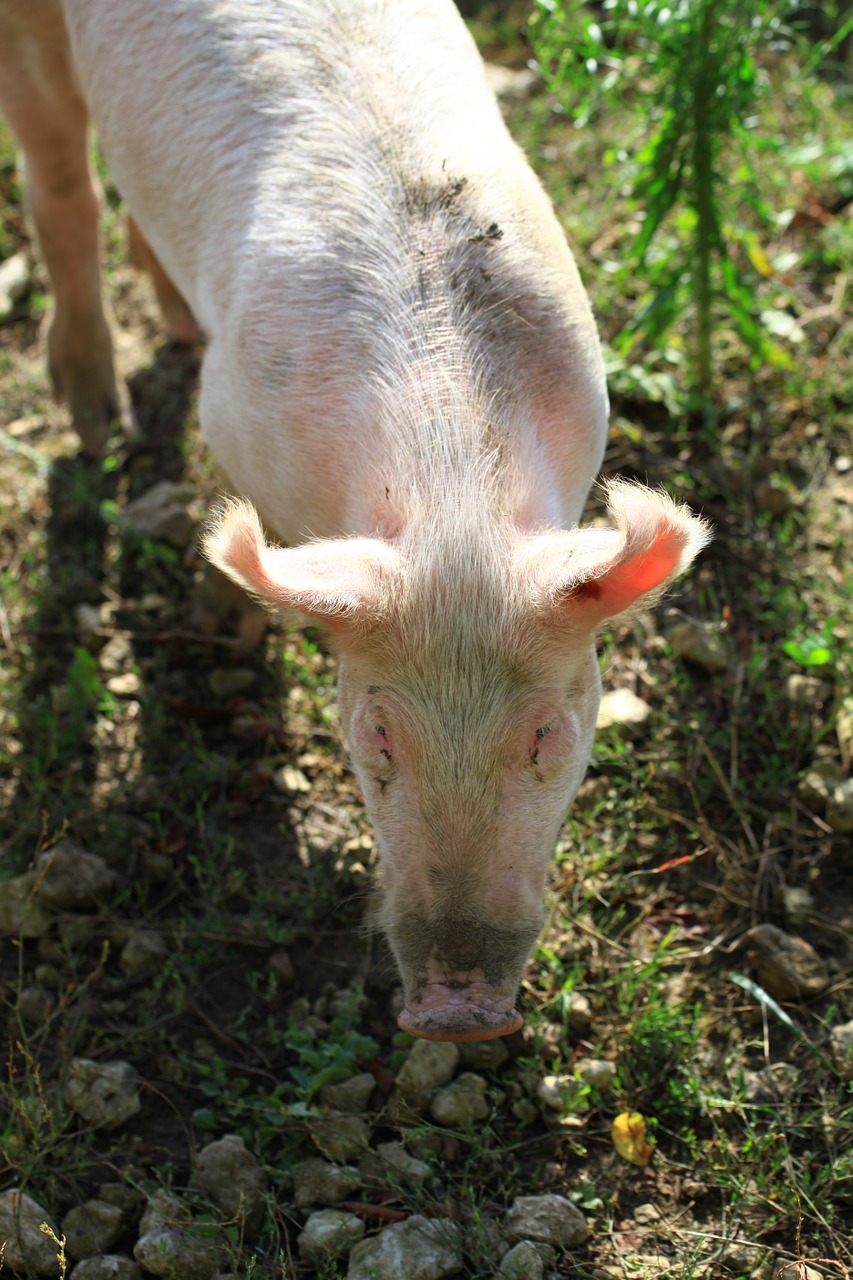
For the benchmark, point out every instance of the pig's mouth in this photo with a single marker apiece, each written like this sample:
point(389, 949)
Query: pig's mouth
point(459, 1011)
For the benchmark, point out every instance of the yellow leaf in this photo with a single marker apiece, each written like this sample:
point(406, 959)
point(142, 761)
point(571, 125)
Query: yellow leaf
point(759, 259)
point(629, 1138)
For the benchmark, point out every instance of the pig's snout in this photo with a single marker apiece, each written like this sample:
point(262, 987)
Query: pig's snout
point(461, 975)
point(457, 1009)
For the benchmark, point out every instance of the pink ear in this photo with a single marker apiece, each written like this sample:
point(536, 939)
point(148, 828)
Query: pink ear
point(336, 579)
point(592, 574)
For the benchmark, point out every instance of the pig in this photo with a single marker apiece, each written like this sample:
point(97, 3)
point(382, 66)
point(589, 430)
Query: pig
point(402, 380)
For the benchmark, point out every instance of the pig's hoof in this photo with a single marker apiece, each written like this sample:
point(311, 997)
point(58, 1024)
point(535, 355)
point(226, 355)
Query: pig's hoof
point(459, 1023)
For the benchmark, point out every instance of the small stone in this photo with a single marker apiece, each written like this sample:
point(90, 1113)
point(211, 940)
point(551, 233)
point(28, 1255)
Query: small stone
point(119, 1194)
point(229, 1175)
point(28, 1249)
point(461, 1104)
point(429, 1065)
point(21, 914)
point(646, 1213)
point(226, 682)
point(329, 1233)
point(318, 1182)
point(14, 283)
point(106, 1266)
point(624, 708)
point(161, 513)
point(816, 786)
point(171, 1244)
point(839, 808)
point(844, 729)
point(116, 655)
point(35, 1006)
point(522, 1262)
point(126, 685)
point(105, 1094)
point(788, 967)
point(144, 954)
point(790, 1270)
point(579, 1017)
point(290, 780)
point(88, 620)
point(281, 967)
point(798, 905)
point(410, 1170)
point(696, 642)
point(70, 879)
point(92, 1228)
point(841, 1043)
point(598, 1073)
point(550, 1218)
point(352, 1096)
point(553, 1091)
point(417, 1249)
point(340, 1137)
point(483, 1055)
point(524, 1110)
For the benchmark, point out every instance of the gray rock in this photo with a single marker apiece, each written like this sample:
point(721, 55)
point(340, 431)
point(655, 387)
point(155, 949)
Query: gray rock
point(340, 1137)
point(417, 1249)
point(171, 1244)
point(281, 967)
point(839, 807)
point(550, 1218)
point(225, 682)
point(229, 1175)
point(798, 904)
point(580, 1013)
point(92, 1228)
point(553, 1091)
point(35, 1005)
point(126, 685)
point(105, 1094)
point(787, 967)
point(816, 786)
point(646, 1214)
point(841, 1043)
point(21, 915)
point(14, 283)
point(483, 1055)
point(318, 1182)
point(108, 1266)
point(70, 879)
point(329, 1233)
point(161, 513)
point(750, 1260)
point(144, 954)
point(624, 708)
point(351, 1096)
point(598, 1073)
point(844, 729)
point(396, 1157)
point(118, 1193)
point(522, 1262)
point(461, 1104)
point(430, 1064)
point(771, 1084)
point(116, 656)
point(28, 1249)
point(696, 642)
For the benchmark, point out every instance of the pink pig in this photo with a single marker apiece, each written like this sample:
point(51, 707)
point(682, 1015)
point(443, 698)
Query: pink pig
point(402, 377)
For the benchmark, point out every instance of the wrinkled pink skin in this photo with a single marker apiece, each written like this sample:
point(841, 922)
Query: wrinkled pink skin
point(402, 374)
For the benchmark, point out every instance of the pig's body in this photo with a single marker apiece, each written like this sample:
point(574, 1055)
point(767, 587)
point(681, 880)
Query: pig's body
point(402, 362)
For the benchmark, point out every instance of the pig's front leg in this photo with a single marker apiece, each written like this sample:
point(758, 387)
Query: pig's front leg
point(48, 117)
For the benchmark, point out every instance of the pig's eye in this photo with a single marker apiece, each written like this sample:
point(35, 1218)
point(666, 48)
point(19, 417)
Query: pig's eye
point(380, 729)
point(543, 731)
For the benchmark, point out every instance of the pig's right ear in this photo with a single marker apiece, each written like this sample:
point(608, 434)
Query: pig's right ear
point(338, 580)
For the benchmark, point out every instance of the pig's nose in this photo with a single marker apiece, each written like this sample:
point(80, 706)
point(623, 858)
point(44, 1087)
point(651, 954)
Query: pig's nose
point(459, 1011)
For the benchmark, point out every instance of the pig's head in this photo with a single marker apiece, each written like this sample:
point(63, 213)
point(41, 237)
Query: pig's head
point(469, 689)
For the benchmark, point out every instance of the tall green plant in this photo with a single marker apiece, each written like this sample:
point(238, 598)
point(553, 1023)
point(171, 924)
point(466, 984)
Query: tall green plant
point(695, 63)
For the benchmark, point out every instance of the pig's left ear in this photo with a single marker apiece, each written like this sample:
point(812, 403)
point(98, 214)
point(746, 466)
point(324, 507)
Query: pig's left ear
point(337, 581)
point(584, 576)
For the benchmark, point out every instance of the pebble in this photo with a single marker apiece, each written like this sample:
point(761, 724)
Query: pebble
point(598, 1073)
point(429, 1065)
point(553, 1091)
point(483, 1055)
point(522, 1262)
point(696, 642)
point(798, 905)
point(161, 513)
point(844, 729)
point(770, 1084)
point(104, 1094)
point(289, 779)
point(35, 1006)
point(841, 1043)
point(352, 1096)
point(126, 685)
point(646, 1213)
point(340, 1137)
point(816, 786)
point(28, 1249)
point(787, 967)
point(281, 967)
point(417, 1249)
point(229, 1175)
point(622, 707)
point(92, 1228)
point(14, 283)
point(144, 954)
point(839, 808)
point(68, 878)
point(579, 1017)
point(21, 915)
point(329, 1233)
point(107, 1266)
point(397, 1158)
point(461, 1104)
point(550, 1218)
point(319, 1182)
point(170, 1244)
